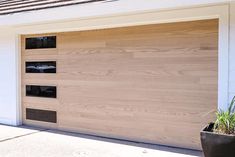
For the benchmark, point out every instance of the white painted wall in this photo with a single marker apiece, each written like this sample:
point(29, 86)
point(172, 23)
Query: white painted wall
point(89, 17)
point(232, 52)
point(8, 87)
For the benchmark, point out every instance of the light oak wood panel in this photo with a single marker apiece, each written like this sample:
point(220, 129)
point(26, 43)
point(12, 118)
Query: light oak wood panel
point(153, 83)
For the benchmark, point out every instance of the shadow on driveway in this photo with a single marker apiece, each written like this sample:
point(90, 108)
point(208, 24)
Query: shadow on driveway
point(25, 140)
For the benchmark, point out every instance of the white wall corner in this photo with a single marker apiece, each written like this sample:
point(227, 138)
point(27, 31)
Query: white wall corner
point(232, 52)
point(8, 79)
point(223, 78)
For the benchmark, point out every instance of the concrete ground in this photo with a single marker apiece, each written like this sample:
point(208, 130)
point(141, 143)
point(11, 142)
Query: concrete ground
point(32, 142)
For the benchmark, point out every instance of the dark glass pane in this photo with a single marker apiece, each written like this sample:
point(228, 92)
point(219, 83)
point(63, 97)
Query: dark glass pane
point(40, 67)
point(41, 91)
point(41, 42)
point(41, 115)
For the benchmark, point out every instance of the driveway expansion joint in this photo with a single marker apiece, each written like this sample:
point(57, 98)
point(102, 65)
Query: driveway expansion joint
point(24, 135)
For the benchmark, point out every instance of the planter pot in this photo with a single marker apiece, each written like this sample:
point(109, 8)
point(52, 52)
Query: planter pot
point(217, 145)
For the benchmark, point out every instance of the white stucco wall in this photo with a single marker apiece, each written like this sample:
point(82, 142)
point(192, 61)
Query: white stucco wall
point(42, 21)
point(8, 87)
point(232, 52)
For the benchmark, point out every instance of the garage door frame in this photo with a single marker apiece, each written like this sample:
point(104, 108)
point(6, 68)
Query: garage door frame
point(133, 19)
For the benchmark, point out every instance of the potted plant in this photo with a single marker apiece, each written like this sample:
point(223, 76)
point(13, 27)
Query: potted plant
point(218, 138)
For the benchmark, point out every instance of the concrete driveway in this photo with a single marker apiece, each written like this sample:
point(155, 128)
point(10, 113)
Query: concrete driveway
point(32, 142)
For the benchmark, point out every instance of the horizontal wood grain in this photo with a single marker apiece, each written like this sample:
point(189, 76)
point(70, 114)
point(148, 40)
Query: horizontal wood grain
point(153, 83)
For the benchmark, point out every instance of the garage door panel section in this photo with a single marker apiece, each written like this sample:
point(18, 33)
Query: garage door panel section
point(152, 83)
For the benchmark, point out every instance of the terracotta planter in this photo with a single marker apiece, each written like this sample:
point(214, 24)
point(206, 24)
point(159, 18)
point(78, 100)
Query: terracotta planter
point(217, 145)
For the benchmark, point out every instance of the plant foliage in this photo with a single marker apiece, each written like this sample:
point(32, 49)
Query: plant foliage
point(225, 122)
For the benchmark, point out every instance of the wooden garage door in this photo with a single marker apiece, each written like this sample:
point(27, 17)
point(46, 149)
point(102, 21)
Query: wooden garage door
point(153, 83)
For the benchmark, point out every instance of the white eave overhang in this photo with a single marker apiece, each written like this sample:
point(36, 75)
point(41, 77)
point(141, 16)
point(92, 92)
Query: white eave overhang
point(98, 9)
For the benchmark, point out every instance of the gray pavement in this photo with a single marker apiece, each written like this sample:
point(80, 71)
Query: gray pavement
point(33, 142)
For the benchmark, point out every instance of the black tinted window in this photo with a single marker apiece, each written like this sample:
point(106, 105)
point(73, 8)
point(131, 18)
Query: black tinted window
point(41, 42)
point(40, 67)
point(41, 115)
point(41, 91)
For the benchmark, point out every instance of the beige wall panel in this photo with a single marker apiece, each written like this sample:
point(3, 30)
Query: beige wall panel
point(155, 83)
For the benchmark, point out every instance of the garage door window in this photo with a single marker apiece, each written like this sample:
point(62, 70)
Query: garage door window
point(41, 91)
point(40, 67)
point(41, 42)
point(41, 115)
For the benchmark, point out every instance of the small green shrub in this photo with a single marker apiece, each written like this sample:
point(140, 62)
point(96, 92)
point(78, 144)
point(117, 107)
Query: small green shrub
point(225, 122)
